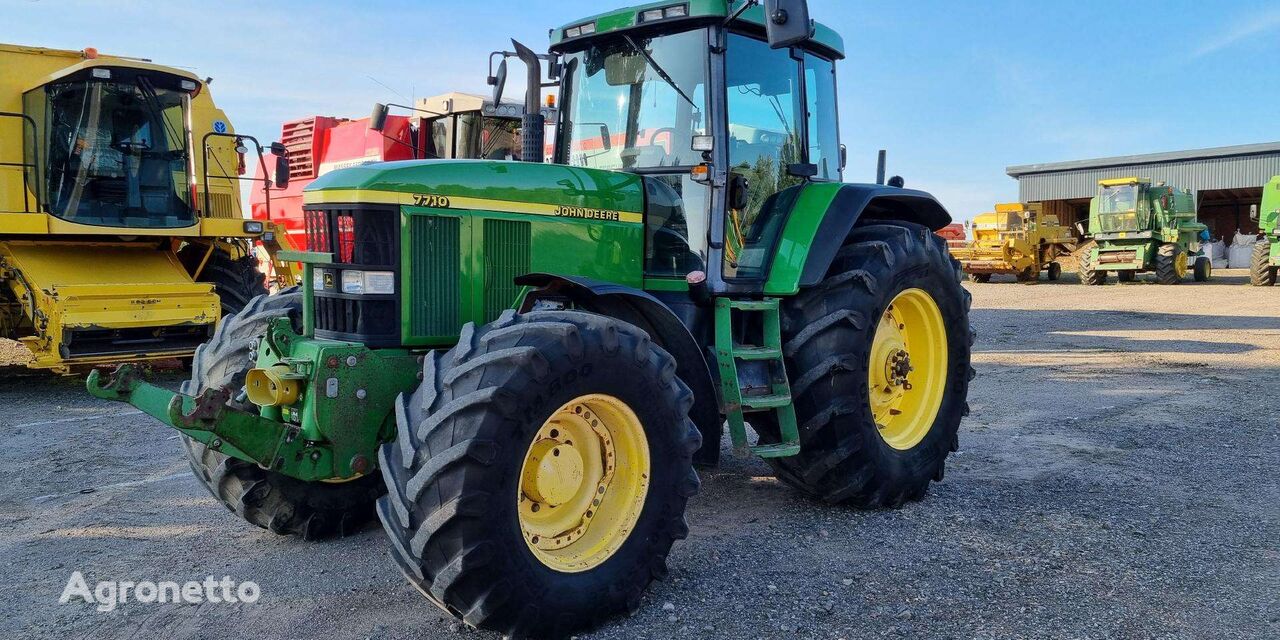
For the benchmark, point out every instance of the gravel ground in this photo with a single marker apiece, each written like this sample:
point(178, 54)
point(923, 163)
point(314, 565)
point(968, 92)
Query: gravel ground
point(1116, 479)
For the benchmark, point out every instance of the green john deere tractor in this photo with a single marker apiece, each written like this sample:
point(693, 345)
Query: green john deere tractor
point(1266, 253)
point(520, 363)
point(1139, 227)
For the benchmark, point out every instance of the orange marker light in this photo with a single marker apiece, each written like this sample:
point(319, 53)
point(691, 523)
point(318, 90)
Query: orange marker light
point(551, 100)
point(90, 53)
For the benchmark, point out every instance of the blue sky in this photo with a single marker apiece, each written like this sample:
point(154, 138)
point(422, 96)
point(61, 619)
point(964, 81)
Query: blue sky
point(956, 91)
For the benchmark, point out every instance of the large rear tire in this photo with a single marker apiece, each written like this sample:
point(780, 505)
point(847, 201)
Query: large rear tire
point(888, 315)
point(266, 498)
point(1171, 264)
point(1261, 273)
point(475, 524)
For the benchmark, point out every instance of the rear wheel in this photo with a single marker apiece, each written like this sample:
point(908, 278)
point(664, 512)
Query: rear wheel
point(1126, 275)
point(1203, 269)
point(1261, 273)
point(879, 358)
point(1028, 275)
point(1055, 271)
point(540, 473)
point(265, 498)
point(1089, 272)
point(980, 277)
point(1171, 264)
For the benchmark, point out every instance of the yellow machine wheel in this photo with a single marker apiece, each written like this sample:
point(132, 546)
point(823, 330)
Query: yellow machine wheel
point(908, 368)
point(583, 483)
point(879, 356)
point(543, 465)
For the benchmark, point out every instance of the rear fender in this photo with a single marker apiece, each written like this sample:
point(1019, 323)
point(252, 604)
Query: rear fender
point(663, 326)
point(822, 218)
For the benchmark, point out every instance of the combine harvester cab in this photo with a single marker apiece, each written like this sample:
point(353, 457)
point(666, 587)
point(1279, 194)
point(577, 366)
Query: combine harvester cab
point(121, 234)
point(1266, 252)
point(527, 358)
point(1015, 239)
point(1139, 227)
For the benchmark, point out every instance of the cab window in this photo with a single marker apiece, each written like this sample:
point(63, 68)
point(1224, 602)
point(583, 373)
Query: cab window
point(765, 108)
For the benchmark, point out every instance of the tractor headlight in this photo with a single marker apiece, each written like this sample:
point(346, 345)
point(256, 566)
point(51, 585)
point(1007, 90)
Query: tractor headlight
point(370, 282)
point(317, 279)
point(253, 226)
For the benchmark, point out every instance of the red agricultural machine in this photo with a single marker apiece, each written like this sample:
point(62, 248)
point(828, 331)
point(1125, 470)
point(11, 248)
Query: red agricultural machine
point(453, 125)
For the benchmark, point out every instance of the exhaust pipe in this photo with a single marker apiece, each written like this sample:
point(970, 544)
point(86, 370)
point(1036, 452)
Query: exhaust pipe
point(533, 126)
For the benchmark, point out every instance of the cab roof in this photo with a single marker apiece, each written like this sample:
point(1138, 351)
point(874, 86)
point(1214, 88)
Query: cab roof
point(825, 39)
point(115, 63)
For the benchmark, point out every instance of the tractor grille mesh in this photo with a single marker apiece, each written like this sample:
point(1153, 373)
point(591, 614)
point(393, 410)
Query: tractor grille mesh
point(436, 276)
point(506, 257)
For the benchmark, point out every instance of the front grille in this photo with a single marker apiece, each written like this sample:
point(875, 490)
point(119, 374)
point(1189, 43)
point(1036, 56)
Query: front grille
point(436, 274)
point(506, 257)
point(360, 238)
point(356, 235)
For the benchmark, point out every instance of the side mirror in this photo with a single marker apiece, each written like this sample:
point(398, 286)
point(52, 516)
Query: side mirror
point(787, 22)
point(379, 118)
point(1253, 212)
point(281, 178)
point(499, 82)
point(844, 157)
point(739, 191)
point(606, 139)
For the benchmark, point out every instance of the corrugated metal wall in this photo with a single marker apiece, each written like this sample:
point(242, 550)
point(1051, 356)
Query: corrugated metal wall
point(1229, 172)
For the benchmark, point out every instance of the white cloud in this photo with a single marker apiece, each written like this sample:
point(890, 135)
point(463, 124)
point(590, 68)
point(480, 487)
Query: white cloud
point(1243, 29)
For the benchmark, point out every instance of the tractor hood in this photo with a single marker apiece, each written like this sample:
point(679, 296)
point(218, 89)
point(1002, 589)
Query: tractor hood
point(492, 185)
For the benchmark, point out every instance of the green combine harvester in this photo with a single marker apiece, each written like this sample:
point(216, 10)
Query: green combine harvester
point(520, 363)
point(1266, 253)
point(1139, 227)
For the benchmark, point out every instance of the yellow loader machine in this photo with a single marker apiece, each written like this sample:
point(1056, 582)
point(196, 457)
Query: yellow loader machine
point(1015, 239)
point(121, 233)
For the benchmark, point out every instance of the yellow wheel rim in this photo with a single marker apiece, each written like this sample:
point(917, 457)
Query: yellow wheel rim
point(583, 483)
point(908, 369)
point(1180, 264)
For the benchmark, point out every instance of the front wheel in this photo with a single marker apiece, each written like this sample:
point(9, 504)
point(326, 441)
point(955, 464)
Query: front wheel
point(540, 472)
point(268, 499)
point(1171, 264)
point(1089, 272)
point(879, 358)
point(1261, 273)
point(1055, 271)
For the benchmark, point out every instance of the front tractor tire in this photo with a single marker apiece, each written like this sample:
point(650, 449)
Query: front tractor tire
point(879, 358)
point(1171, 264)
point(1261, 273)
point(268, 499)
point(540, 472)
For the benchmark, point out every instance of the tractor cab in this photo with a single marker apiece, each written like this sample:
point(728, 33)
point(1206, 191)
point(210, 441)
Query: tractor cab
point(719, 120)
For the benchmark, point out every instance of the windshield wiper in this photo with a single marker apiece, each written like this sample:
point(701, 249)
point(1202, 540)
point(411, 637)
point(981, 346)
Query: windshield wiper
point(662, 73)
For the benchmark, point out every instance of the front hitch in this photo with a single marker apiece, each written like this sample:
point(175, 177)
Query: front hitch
point(208, 418)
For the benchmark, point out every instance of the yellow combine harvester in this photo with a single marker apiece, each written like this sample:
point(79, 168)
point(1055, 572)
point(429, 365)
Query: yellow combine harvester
point(121, 233)
point(1015, 239)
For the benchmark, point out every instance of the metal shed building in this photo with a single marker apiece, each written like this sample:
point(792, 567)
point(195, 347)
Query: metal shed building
point(1226, 181)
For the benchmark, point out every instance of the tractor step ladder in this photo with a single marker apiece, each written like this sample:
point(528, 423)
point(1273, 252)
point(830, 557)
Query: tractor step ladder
point(778, 400)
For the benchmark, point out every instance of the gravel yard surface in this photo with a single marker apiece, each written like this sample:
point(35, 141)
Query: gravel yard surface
point(1117, 478)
